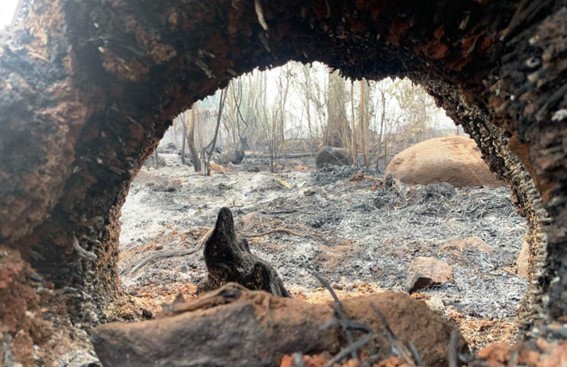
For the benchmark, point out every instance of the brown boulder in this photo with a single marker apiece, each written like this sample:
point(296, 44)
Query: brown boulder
point(452, 159)
point(234, 156)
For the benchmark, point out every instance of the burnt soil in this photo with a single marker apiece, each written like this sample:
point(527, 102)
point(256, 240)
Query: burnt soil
point(344, 223)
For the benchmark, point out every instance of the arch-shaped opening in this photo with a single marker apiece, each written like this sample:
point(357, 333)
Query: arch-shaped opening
point(343, 222)
point(89, 89)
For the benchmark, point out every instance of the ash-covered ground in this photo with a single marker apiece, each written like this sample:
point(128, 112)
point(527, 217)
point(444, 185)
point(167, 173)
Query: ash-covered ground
point(346, 223)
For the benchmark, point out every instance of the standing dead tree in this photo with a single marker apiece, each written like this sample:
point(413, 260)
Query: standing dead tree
point(337, 131)
point(189, 122)
point(363, 119)
point(208, 150)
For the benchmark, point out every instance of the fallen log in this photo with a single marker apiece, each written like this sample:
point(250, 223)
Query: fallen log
point(237, 327)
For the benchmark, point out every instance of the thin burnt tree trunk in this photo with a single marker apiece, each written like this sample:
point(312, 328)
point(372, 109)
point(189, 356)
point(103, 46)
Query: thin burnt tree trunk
point(191, 140)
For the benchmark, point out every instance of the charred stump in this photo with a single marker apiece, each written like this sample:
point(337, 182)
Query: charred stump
point(229, 259)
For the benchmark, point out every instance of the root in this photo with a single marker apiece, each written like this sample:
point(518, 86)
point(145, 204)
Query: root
point(279, 230)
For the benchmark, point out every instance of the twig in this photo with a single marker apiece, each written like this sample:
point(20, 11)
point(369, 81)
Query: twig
point(282, 183)
point(351, 349)
point(352, 325)
point(228, 293)
point(278, 212)
point(170, 254)
point(277, 230)
point(416, 355)
point(525, 12)
point(453, 354)
point(513, 360)
point(340, 313)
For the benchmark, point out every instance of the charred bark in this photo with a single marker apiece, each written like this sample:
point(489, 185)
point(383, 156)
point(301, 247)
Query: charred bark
point(237, 327)
point(87, 89)
point(228, 259)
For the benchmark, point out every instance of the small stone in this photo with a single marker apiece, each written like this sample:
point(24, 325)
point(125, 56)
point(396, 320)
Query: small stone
point(425, 272)
point(359, 176)
point(309, 192)
point(159, 247)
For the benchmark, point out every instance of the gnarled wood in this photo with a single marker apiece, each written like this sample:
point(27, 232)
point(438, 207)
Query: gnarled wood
point(229, 259)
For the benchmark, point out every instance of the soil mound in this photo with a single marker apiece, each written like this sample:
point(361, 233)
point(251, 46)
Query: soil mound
point(452, 159)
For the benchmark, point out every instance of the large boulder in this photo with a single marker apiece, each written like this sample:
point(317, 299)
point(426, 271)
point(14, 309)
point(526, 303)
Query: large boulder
point(330, 156)
point(452, 159)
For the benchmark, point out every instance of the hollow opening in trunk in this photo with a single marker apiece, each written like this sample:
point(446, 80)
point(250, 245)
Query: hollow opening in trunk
point(90, 88)
point(347, 222)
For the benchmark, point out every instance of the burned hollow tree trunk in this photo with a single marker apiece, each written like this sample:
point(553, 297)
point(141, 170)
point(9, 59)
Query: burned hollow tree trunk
point(88, 88)
point(228, 259)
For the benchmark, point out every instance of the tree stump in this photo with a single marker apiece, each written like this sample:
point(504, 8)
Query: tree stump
point(228, 259)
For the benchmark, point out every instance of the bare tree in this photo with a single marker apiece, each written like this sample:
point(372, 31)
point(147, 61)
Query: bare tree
point(209, 149)
point(277, 129)
point(190, 138)
point(353, 145)
point(363, 116)
point(337, 131)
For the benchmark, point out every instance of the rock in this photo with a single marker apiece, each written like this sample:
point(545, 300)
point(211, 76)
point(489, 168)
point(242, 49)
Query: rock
point(234, 156)
point(237, 156)
point(357, 177)
point(309, 192)
point(330, 156)
point(237, 327)
point(426, 272)
point(79, 358)
point(453, 159)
